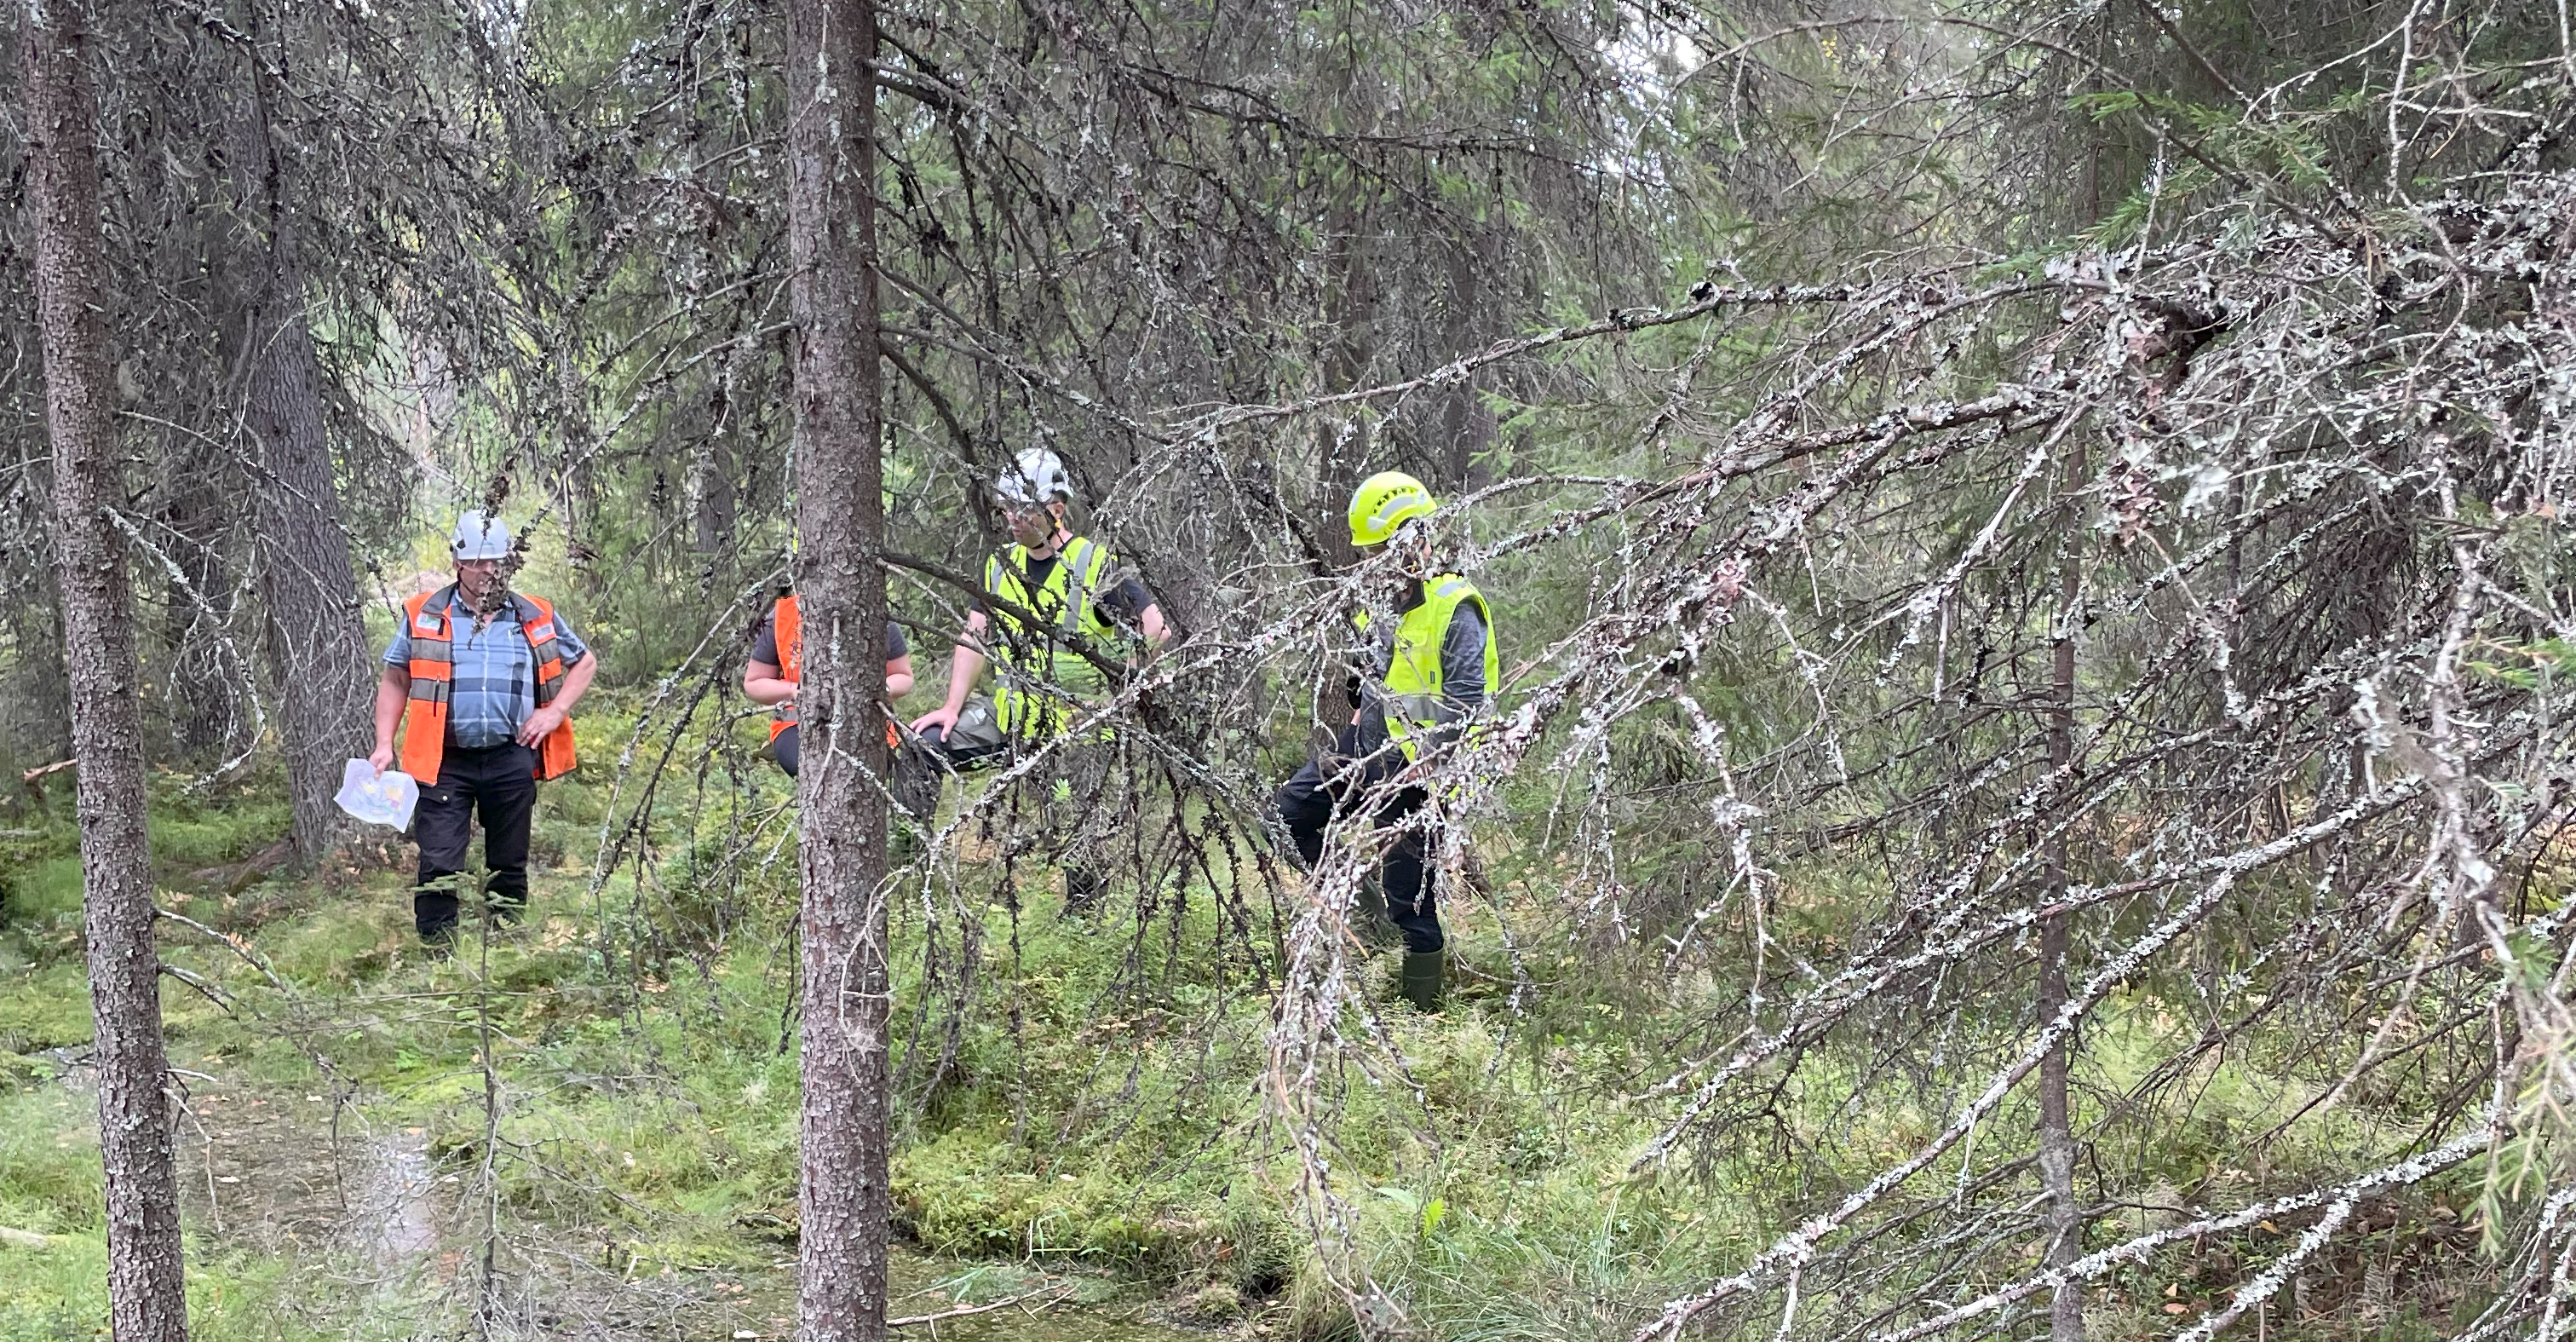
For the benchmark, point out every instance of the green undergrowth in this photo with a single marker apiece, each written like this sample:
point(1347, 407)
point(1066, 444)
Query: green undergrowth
point(1086, 1095)
point(50, 1185)
point(59, 1294)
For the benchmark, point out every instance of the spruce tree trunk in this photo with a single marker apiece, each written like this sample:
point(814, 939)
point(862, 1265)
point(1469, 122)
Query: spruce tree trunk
point(1343, 448)
point(143, 1259)
point(840, 522)
point(1465, 425)
point(204, 707)
point(2063, 1216)
point(316, 634)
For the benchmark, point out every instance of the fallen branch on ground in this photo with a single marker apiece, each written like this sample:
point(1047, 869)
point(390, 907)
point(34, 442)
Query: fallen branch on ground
point(1062, 1294)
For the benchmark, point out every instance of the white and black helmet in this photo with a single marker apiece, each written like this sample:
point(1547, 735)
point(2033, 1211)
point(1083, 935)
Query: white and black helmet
point(479, 536)
point(1037, 477)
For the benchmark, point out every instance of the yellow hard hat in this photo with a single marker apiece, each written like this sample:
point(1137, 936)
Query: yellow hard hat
point(1383, 502)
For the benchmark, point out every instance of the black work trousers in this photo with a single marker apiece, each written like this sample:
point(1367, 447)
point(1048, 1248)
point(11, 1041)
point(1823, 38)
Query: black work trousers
point(1323, 789)
point(498, 783)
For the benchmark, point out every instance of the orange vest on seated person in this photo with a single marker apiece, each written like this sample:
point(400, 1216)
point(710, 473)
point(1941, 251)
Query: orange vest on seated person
point(791, 639)
point(433, 680)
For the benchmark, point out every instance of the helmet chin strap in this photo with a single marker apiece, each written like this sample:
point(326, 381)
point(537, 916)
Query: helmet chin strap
point(1056, 531)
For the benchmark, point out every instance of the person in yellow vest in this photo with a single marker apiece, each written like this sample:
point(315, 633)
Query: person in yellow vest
point(487, 678)
point(1049, 598)
point(771, 675)
point(1421, 674)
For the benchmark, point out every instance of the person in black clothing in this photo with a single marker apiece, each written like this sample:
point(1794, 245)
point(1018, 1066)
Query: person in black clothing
point(1419, 671)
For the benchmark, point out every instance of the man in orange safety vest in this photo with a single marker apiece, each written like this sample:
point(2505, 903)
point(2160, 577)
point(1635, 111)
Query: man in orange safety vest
point(487, 679)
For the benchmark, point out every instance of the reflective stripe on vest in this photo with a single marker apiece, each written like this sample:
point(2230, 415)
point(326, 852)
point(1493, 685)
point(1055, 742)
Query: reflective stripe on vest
point(433, 682)
point(1411, 692)
point(1039, 672)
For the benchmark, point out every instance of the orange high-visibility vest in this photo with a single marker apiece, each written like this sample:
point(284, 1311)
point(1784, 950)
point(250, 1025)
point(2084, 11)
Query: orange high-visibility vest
point(433, 680)
point(791, 638)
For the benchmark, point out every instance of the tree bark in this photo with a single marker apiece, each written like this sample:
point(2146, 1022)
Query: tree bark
point(1343, 445)
point(840, 522)
point(145, 1300)
point(316, 634)
point(1465, 425)
point(2063, 1217)
point(35, 699)
point(204, 689)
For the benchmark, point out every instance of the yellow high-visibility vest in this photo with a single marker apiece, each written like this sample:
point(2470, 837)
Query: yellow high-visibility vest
point(1041, 677)
point(1411, 692)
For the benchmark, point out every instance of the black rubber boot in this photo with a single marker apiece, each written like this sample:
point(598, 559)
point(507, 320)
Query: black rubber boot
point(1421, 982)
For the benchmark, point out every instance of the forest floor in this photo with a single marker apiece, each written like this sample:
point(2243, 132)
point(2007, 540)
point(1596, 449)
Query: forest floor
point(585, 1127)
point(331, 1139)
point(624, 1166)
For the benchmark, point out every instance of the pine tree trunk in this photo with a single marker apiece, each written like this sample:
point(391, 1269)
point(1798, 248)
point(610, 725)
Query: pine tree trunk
point(145, 1300)
point(316, 635)
point(840, 521)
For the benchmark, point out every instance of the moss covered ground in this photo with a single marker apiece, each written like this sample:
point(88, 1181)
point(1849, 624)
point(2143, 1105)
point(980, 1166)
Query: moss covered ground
point(605, 1100)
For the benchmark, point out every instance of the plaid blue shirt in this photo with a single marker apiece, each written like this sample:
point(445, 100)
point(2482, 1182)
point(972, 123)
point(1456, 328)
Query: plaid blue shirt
point(496, 673)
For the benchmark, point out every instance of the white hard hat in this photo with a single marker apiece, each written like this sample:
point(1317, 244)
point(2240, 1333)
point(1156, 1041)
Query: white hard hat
point(1037, 477)
point(479, 536)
